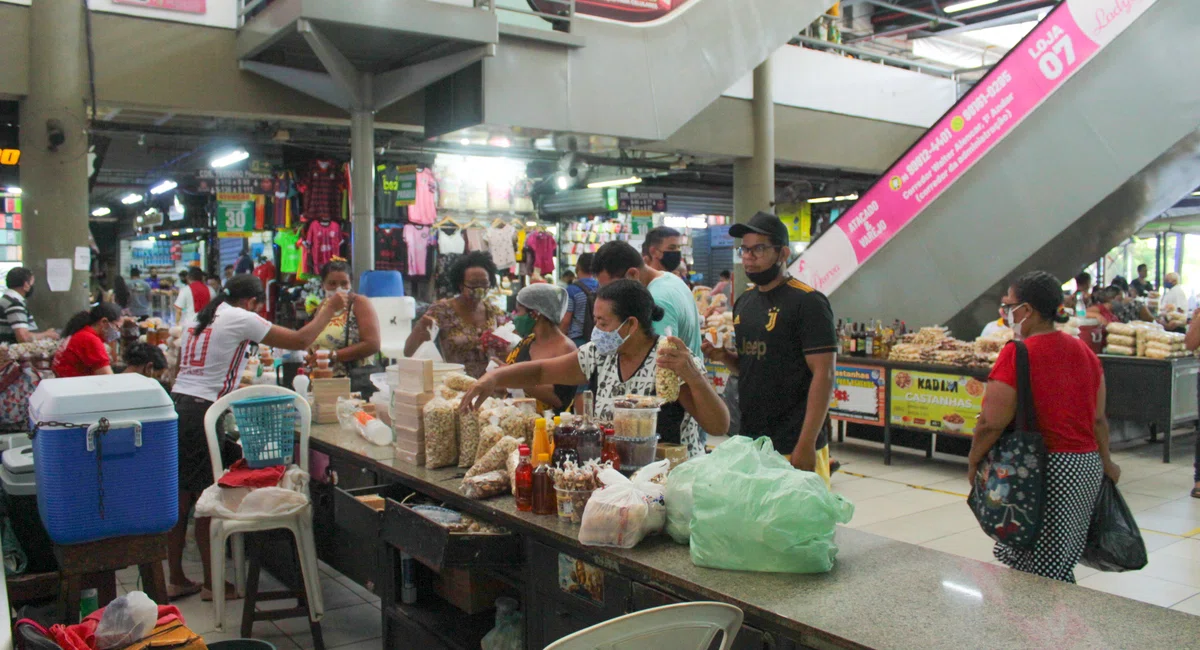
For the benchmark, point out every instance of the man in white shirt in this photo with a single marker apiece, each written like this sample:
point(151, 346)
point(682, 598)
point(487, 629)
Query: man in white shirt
point(185, 302)
point(1176, 296)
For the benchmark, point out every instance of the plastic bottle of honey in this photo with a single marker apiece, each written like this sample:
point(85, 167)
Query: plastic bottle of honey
point(524, 480)
point(541, 442)
point(545, 502)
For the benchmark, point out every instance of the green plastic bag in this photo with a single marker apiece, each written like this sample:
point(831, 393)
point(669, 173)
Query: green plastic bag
point(739, 452)
point(754, 512)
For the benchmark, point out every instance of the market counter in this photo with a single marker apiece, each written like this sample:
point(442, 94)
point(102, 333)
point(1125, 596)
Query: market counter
point(881, 594)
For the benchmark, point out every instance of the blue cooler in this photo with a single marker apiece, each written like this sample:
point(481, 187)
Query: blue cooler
point(93, 485)
point(381, 284)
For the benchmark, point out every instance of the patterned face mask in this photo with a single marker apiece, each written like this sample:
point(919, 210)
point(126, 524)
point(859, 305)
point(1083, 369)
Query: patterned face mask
point(607, 343)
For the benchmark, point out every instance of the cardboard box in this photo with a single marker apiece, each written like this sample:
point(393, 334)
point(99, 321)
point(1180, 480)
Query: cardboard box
point(416, 375)
point(417, 459)
point(471, 591)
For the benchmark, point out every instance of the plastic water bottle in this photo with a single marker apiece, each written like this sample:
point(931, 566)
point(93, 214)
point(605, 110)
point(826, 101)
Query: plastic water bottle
point(89, 601)
point(300, 384)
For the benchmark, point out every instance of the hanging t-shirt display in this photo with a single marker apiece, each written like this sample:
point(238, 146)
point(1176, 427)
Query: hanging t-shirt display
point(390, 206)
point(424, 210)
point(416, 239)
point(500, 243)
point(324, 241)
point(476, 241)
point(289, 251)
point(390, 250)
point(450, 242)
point(522, 196)
point(544, 249)
point(283, 195)
point(321, 188)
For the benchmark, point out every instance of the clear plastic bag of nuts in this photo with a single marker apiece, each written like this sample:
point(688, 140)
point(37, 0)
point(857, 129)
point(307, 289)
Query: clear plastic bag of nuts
point(468, 438)
point(441, 433)
point(484, 486)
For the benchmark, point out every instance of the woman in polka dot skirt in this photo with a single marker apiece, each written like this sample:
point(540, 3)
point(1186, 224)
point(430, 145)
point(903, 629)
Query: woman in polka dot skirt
point(1068, 396)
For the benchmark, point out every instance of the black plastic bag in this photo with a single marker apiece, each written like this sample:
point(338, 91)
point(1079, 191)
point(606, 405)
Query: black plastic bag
point(1114, 542)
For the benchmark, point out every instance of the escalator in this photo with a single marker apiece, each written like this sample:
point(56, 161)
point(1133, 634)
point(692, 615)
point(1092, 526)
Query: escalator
point(1083, 133)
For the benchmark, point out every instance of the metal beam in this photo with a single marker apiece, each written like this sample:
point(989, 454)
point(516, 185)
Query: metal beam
point(390, 87)
point(314, 84)
point(916, 12)
point(164, 119)
point(985, 11)
point(343, 73)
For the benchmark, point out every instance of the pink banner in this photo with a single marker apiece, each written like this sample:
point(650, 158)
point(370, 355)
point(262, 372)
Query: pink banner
point(1057, 47)
point(185, 6)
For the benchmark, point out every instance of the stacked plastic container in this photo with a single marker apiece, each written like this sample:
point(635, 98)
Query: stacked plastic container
point(93, 484)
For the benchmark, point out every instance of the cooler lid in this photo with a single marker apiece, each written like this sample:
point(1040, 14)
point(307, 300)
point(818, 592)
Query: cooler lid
point(18, 485)
point(19, 460)
point(93, 397)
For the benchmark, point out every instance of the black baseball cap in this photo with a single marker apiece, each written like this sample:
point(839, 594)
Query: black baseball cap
point(762, 223)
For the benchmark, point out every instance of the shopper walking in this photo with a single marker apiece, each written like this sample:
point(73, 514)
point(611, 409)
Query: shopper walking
point(662, 250)
point(785, 350)
point(16, 323)
point(139, 294)
point(211, 360)
point(1141, 284)
point(617, 259)
point(581, 295)
point(1069, 402)
point(88, 335)
point(540, 308)
point(620, 360)
point(352, 335)
point(193, 297)
point(463, 319)
point(725, 286)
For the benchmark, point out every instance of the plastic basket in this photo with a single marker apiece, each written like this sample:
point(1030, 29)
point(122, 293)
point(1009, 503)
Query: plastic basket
point(268, 430)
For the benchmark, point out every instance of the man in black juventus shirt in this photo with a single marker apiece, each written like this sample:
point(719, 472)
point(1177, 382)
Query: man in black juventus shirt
point(786, 348)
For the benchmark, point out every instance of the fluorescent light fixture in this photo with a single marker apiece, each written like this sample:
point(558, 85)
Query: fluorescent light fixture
point(150, 238)
point(175, 233)
point(465, 141)
point(14, 190)
point(140, 220)
point(1195, 193)
point(502, 142)
point(562, 182)
point(228, 159)
point(165, 186)
point(530, 223)
point(821, 199)
point(969, 4)
point(131, 199)
point(190, 230)
point(848, 197)
point(101, 212)
point(615, 182)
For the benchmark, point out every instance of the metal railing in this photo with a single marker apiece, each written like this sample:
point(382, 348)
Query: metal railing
point(560, 21)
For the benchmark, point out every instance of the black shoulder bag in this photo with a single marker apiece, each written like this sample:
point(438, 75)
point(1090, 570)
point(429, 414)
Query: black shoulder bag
point(1008, 492)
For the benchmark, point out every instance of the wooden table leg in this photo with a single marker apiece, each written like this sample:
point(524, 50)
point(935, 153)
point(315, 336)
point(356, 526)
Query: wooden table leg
point(68, 599)
point(154, 582)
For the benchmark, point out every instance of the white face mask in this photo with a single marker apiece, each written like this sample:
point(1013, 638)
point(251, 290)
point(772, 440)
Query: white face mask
point(1016, 327)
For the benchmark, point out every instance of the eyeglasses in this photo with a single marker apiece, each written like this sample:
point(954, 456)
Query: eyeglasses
point(757, 250)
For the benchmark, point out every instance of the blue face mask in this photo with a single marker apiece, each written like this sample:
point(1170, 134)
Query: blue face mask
point(607, 343)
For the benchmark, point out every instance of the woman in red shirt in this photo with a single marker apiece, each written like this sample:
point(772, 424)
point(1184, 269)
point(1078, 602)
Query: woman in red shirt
point(85, 351)
point(1069, 401)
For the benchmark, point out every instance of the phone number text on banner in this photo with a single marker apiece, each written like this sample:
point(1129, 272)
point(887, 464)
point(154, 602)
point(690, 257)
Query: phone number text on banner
point(858, 395)
point(932, 401)
point(1056, 48)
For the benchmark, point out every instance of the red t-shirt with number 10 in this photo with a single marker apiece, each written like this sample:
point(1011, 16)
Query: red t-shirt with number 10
point(1065, 375)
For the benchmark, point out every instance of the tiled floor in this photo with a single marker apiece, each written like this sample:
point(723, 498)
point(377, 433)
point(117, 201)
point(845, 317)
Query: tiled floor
point(921, 502)
point(352, 617)
point(913, 500)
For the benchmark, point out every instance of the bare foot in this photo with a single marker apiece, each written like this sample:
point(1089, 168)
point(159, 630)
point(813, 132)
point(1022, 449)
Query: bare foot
point(177, 591)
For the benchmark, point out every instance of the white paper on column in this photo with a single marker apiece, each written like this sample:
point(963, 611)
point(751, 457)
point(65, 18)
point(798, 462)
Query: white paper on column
point(58, 273)
point(83, 258)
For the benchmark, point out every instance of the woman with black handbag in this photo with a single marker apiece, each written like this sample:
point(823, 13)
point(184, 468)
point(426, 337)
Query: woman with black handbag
point(1064, 397)
point(352, 335)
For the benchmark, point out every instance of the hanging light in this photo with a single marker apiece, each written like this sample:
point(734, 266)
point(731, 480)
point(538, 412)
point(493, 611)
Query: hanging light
point(165, 186)
point(132, 199)
point(101, 212)
point(225, 160)
point(969, 4)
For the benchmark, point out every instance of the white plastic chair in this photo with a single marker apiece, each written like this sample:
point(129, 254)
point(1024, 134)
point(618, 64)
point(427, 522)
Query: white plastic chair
point(300, 523)
point(686, 626)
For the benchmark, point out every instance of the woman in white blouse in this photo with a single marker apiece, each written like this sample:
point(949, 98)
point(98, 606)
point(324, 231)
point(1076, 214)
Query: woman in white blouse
point(619, 361)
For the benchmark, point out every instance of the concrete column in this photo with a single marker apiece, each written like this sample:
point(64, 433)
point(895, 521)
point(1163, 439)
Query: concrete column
point(362, 180)
point(754, 177)
point(54, 183)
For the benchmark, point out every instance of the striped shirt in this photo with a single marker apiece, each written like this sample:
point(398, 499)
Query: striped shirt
point(15, 316)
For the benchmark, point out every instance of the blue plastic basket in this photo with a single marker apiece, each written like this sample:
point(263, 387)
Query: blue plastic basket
point(267, 426)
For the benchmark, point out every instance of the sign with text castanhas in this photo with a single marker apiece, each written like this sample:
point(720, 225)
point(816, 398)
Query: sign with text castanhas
point(937, 402)
point(858, 394)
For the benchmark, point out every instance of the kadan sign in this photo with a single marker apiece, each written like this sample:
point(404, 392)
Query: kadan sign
point(937, 402)
point(1058, 47)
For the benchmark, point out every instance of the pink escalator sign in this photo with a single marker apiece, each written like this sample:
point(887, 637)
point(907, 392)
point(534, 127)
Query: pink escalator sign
point(630, 11)
point(1054, 50)
point(185, 6)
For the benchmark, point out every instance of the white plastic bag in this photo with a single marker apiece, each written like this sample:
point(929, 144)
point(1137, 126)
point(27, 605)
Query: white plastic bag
point(126, 621)
point(256, 503)
point(428, 349)
point(625, 511)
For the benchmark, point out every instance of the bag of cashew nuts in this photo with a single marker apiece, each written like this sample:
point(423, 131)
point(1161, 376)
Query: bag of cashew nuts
point(441, 433)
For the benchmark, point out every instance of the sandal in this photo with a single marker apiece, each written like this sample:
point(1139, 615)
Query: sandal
point(175, 592)
point(231, 593)
point(1196, 493)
